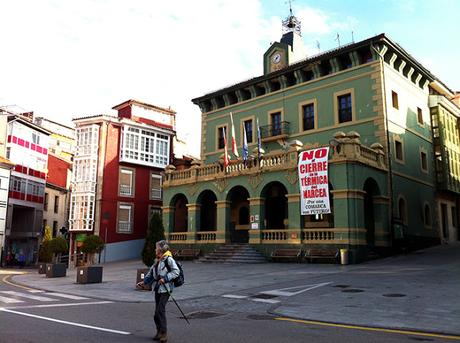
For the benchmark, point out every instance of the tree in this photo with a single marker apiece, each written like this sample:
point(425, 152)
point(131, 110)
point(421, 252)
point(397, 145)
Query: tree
point(58, 246)
point(44, 252)
point(91, 245)
point(155, 233)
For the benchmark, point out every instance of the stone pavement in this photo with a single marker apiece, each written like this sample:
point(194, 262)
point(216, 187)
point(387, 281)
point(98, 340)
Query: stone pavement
point(419, 291)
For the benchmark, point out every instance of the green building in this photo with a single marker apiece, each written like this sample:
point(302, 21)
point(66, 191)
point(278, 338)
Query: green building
point(374, 104)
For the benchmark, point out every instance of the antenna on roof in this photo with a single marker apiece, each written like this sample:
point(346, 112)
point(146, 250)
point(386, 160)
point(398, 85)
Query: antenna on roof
point(352, 37)
point(337, 38)
point(318, 46)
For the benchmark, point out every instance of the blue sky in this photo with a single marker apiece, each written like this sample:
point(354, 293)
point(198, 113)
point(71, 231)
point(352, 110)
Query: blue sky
point(67, 58)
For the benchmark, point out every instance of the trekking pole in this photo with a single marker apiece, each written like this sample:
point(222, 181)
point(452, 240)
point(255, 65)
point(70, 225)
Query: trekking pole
point(175, 302)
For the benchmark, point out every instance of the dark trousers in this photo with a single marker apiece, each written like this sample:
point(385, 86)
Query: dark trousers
point(161, 299)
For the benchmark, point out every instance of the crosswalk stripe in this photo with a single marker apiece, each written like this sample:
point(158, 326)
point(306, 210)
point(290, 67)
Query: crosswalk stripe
point(29, 296)
point(234, 296)
point(10, 300)
point(268, 301)
point(67, 296)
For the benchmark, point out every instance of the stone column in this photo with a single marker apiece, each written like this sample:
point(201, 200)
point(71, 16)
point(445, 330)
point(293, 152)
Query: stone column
point(294, 218)
point(223, 221)
point(381, 221)
point(167, 213)
point(257, 222)
point(193, 221)
point(349, 214)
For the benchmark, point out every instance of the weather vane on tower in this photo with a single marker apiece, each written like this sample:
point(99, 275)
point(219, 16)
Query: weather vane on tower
point(291, 23)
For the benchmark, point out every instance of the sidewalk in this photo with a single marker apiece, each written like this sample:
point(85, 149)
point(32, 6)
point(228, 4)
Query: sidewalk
point(420, 291)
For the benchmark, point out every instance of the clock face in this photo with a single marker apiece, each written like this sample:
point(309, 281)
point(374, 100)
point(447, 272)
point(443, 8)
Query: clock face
point(276, 58)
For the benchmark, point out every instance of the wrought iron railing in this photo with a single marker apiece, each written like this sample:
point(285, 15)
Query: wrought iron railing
point(283, 128)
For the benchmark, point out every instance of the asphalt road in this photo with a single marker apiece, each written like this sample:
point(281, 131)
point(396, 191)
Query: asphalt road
point(27, 318)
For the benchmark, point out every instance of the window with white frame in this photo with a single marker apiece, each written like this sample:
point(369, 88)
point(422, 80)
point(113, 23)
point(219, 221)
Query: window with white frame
point(81, 217)
point(155, 186)
point(144, 147)
point(87, 138)
point(126, 176)
point(125, 217)
point(18, 184)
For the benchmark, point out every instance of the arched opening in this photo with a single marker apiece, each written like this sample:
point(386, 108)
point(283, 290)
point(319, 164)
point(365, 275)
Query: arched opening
point(239, 214)
point(320, 220)
point(179, 202)
point(276, 206)
point(402, 211)
point(427, 215)
point(208, 211)
point(371, 189)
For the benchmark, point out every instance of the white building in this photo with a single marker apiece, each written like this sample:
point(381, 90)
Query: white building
point(27, 149)
point(5, 172)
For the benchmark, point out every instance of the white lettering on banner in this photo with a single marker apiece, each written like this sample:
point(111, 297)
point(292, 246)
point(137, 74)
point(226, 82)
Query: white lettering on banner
point(313, 181)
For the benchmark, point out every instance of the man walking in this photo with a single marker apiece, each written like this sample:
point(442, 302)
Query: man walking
point(163, 271)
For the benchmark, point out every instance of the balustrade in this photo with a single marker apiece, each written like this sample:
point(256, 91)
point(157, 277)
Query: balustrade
point(177, 236)
point(206, 236)
point(317, 235)
point(276, 161)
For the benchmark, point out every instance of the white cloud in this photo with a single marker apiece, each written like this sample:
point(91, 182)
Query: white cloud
point(65, 59)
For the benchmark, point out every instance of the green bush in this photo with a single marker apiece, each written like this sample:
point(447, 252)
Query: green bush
point(58, 245)
point(155, 233)
point(44, 253)
point(92, 244)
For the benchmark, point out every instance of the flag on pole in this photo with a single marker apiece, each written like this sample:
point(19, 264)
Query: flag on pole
point(226, 157)
point(259, 140)
point(234, 148)
point(245, 147)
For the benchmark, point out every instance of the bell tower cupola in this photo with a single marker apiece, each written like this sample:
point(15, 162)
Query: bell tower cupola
point(289, 49)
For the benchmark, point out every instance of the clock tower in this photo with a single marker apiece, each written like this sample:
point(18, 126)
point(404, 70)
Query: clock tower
point(288, 50)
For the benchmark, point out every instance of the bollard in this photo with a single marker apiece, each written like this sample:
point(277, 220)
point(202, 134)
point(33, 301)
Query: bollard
point(344, 256)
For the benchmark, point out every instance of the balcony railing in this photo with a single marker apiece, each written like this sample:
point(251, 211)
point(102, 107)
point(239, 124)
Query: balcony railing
point(281, 129)
point(348, 148)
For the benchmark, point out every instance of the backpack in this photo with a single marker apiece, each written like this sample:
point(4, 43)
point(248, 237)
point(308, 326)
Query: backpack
point(178, 281)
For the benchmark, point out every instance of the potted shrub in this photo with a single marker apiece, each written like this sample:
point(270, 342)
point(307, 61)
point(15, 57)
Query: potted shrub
point(155, 233)
point(90, 274)
point(57, 246)
point(45, 255)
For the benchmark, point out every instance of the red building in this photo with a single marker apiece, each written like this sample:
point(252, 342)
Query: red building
point(117, 176)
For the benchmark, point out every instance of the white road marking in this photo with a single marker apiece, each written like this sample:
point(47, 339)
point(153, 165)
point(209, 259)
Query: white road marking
point(269, 301)
point(29, 296)
point(10, 300)
point(66, 322)
point(67, 296)
point(36, 291)
point(233, 296)
point(285, 293)
point(62, 305)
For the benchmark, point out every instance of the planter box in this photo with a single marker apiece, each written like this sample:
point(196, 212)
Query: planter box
point(140, 277)
point(56, 270)
point(42, 268)
point(89, 274)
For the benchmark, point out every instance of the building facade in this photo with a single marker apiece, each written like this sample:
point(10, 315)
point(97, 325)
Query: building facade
point(117, 176)
point(5, 173)
point(27, 149)
point(57, 192)
point(57, 195)
point(370, 102)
